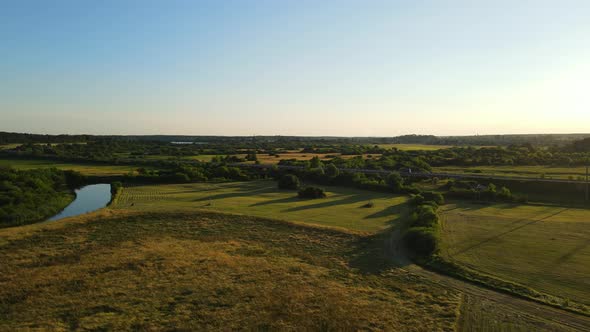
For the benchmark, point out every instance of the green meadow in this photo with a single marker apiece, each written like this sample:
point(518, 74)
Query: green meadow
point(343, 208)
point(84, 168)
point(545, 248)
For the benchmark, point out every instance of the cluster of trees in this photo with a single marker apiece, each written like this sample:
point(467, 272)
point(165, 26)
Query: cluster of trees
point(33, 195)
point(192, 172)
point(311, 192)
point(422, 236)
point(473, 190)
point(522, 155)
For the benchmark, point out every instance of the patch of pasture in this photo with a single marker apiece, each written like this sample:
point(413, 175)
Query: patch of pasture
point(545, 248)
point(342, 208)
point(86, 169)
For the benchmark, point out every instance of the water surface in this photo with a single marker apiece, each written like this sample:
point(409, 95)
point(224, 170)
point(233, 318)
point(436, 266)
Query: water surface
point(88, 199)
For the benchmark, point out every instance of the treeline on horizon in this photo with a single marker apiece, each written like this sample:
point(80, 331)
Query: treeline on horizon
point(474, 140)
point(576, 153)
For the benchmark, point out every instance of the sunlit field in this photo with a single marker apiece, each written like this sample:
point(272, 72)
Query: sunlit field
point(545, 248)
point(343, 208)
point(122, 270)
point(86, 168)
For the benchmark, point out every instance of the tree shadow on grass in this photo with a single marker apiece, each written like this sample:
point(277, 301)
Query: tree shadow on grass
point(327, 203)
point(240, 193)
point(374, 254)
point(290, 199)
point(388, 211)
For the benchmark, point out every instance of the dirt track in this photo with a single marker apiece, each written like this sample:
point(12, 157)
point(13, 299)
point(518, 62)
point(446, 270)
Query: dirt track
point(510, 308)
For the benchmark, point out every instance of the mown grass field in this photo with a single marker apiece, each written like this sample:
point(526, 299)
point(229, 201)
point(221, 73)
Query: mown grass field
point(545, 248)
point(343, 208)
point(124, 270)
point(526, 171)
point(87, 169)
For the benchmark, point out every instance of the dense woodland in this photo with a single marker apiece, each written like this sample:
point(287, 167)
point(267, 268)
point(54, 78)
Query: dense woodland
point(34, 195)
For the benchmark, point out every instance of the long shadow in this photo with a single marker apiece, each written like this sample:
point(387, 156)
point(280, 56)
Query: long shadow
point(241, 193)
point(348, 200)
point(370, 254)
point(277, 201)
point(385, 212)
point(495, 237)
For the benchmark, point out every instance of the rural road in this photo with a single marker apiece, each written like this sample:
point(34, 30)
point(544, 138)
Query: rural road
point(511, 308)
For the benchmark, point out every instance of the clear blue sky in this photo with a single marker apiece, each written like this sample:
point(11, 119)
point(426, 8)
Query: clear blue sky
point(349, 68)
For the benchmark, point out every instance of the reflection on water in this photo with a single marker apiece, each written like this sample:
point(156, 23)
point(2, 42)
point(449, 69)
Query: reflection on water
point(88, 199)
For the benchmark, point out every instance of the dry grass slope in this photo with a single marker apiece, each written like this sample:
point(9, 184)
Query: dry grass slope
point(122, 270)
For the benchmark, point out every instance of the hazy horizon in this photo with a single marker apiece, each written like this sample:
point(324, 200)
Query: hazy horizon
point(335, 68)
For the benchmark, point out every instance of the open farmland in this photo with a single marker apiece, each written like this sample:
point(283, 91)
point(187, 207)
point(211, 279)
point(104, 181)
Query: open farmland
point(342, 208)
point(122, 270)
point(545, 248)
point(84, 168)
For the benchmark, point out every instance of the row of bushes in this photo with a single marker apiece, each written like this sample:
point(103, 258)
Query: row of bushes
point(422, 236)
point(472, 190)
point(116, 188)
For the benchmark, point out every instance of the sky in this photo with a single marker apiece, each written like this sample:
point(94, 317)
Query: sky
point(295, 67)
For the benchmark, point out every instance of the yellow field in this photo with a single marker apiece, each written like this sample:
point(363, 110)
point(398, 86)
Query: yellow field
point(126, 271)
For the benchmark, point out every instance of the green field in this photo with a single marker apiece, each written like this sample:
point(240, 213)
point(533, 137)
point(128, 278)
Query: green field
point(123, 270)
point(526, 171)
point(342, 208)
point(9, 146)
point(87, 169)
point(545, 248)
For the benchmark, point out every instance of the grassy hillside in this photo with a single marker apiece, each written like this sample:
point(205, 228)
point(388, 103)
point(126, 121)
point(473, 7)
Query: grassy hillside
point(342, 208)
point(545, 248)
point(196, 271)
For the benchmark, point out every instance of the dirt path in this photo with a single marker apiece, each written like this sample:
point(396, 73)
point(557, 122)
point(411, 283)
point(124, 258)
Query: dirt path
point(511, 309)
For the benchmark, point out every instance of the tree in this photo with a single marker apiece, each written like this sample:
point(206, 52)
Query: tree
point(395, 181)
point(289, 181)
point(332, 171)
point(311, 192)
point(315, 162)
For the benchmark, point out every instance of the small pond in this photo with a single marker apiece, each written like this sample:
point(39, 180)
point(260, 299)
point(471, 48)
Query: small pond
point(88, 199)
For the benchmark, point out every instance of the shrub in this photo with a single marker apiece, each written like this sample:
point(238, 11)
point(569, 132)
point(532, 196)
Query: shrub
point(395, 181)
point(426, 216)
point(433, 196)
point(289, 181)
point(369, 204)
point(312, 192)
point(422, 240)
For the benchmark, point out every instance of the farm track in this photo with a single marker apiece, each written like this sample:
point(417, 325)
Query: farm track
point(544, 317)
